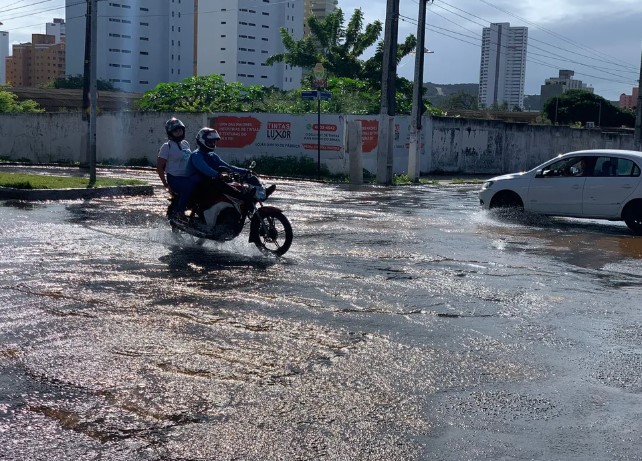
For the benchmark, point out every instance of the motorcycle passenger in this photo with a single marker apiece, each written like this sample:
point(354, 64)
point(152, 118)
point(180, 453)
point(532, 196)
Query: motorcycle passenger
point(174, 167)
point(210, 165)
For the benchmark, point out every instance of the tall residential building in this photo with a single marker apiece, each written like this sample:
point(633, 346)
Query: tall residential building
point(630, 101)
point(503, 65)
point(318, 8)
point(57, 29)
point(4, 53)
point(142, 43)
point(555, 86)
point(36, 63)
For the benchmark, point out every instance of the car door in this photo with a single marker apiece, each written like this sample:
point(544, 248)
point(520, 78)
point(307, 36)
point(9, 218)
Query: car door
point(614, 179)
point(555, 190)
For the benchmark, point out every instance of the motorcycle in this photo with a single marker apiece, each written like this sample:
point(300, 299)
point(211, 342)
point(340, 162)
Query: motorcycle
point(221, 217)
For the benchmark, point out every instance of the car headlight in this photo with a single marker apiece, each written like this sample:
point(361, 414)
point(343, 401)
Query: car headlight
point(488, 185)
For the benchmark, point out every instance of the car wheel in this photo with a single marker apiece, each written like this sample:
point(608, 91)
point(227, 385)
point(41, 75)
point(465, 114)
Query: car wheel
point(632, 216)
point(507, 199)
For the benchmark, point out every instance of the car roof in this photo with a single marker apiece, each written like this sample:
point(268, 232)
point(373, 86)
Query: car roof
point(603, 152)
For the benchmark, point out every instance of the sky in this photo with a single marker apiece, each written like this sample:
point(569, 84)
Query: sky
point(600, 40)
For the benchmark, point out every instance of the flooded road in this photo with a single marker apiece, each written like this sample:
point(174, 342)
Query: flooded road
point(403, 324)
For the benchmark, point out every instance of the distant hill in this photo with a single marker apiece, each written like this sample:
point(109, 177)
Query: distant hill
point(438, 93)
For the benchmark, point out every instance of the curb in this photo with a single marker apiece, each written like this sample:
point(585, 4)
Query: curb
point(10, 193)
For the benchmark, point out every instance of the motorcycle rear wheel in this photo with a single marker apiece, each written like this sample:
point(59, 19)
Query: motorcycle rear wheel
point(272, 230)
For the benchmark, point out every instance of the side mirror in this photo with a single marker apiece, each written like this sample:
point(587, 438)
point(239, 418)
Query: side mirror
point(252, 164)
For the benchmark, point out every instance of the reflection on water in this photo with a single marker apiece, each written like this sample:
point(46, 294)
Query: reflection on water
point(584, 243)
point(405, 323)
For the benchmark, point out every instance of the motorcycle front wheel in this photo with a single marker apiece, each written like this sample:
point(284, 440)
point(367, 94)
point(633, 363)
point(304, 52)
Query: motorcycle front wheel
point(272, 231)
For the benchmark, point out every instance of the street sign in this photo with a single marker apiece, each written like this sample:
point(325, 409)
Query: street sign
point(312, 95)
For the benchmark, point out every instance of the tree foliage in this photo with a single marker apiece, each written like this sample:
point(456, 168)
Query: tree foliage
point(460, 101)
point(9, 103)
point(75, 82)
point(203, 94)
point(337, 47)
point(340, 49)
point(212, 94)
point(580, 106)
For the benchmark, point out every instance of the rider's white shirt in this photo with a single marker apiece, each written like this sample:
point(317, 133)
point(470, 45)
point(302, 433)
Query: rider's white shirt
point(177, 158)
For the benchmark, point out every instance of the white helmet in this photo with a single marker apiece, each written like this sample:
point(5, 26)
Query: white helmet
point(206, 139)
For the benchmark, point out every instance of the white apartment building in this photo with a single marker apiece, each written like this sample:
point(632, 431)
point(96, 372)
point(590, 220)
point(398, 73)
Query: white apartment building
point(4, 53)
point(319, 9)
point(145, 42)
point(237, 36)
point(503, 65)
point(57, 29)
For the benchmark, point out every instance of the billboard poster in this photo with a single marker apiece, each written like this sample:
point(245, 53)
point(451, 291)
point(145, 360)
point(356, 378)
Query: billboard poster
point(245, 135)
point(281, 135)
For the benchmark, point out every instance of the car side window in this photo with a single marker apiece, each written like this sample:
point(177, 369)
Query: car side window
point(614, 166)
point(605, 166)
point(559, 168)
point(625, 167)
point(572, 166)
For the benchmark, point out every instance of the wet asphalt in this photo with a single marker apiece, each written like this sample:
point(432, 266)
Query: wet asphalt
point(404, 324)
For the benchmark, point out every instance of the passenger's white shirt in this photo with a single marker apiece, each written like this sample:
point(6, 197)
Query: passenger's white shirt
point(178, 163)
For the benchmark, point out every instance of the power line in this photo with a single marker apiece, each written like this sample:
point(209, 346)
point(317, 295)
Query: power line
point(530, 38)
point(555, 34)
point(446, 32)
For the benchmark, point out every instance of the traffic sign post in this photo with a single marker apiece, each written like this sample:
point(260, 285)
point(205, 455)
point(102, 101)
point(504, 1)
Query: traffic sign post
point(318, 95)
point(320, 77)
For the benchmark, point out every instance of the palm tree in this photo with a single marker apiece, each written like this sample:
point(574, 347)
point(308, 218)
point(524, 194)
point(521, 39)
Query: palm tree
point(338, 48)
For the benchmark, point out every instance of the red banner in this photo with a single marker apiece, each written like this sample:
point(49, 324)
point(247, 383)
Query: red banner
point(236, 131)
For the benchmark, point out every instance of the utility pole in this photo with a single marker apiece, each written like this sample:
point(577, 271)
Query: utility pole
point(92, 92)
point(388, 76)
point(84, 138)
point(637, 137)
point(88, 140)
point(414, 163)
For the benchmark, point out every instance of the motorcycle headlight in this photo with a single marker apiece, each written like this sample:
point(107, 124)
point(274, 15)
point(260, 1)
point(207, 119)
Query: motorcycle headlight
point(488, 185)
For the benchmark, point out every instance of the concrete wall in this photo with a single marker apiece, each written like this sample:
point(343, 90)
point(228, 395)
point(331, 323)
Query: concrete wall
point(450, 145)
point(490, 146)
point(45, 138)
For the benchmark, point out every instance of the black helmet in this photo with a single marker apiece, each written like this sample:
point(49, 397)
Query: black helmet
point(206, 139)
point(172, 124)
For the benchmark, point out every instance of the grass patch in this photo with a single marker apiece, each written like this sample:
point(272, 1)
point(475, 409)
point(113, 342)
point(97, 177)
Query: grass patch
point(34, 181)
point(468, 181)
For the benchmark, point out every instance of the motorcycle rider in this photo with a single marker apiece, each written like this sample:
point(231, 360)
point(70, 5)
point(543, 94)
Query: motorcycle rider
point(174, 167)
point(210, 165)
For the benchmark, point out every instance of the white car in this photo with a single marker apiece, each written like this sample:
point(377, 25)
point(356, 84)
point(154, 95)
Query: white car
point(602, 184)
